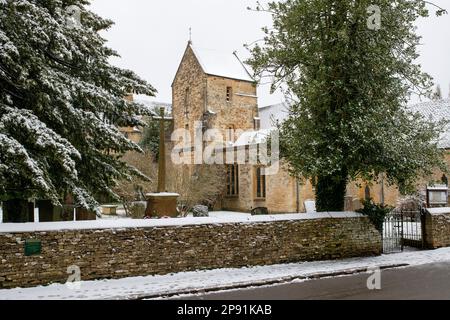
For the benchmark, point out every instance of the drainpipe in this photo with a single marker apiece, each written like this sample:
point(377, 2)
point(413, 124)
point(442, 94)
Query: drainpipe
point(297, 191)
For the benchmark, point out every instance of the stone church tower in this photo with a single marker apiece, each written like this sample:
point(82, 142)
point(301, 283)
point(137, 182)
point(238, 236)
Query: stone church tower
point(216, 89)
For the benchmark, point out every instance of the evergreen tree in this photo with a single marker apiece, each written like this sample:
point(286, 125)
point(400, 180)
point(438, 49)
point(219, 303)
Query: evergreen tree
point(61, 103)
point(349, 66)
point(150, 136)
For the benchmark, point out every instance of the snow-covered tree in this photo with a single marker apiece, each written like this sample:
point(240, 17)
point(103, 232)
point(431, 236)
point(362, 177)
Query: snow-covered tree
point(350, 67)
point(57, 91)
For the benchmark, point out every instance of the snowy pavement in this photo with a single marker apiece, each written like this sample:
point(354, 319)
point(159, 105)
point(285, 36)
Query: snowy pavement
point(197, 281)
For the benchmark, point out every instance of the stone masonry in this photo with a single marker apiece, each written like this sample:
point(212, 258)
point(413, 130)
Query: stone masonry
point(437, 230)
point(118, 253)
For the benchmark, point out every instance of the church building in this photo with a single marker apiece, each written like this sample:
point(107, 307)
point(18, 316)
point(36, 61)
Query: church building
point(216, 90)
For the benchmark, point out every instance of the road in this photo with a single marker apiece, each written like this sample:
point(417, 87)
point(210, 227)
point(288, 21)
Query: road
point(428, 282)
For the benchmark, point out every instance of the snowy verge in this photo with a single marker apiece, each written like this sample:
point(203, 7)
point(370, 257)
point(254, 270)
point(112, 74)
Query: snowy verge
point(215, 218)
point(197, 281)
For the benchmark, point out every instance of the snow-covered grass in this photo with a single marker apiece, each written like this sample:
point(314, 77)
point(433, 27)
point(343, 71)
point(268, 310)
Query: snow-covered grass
point(214, 218)
point(153, 286)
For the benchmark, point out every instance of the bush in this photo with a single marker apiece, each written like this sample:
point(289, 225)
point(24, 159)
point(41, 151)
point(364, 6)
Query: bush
point(376, 213)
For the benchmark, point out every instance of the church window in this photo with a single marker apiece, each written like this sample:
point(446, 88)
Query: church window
point(232, 180)
point(260, 180)
point(186, 102)
point(230, 134)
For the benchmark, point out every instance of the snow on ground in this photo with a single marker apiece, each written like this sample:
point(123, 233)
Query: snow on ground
point(214, 218)
point(183, 282)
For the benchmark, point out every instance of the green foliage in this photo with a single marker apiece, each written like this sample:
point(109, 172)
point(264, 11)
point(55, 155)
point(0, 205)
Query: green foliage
point(330, 192)
point(150, 138)
point(375, 212)
point(349, 86)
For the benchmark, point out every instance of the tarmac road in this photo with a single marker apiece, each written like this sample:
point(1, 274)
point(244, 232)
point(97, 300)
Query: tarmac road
point(428, 282)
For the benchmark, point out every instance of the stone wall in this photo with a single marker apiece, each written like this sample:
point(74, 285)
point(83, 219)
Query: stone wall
point(437, 229)
point(117, 253)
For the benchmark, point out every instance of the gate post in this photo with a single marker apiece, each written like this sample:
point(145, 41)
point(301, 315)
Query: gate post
point(402, 240)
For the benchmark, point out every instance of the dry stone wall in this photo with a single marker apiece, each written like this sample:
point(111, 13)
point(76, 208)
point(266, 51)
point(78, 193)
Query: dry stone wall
point(118, 253)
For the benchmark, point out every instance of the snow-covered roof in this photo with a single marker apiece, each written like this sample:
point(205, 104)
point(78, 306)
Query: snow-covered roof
point(154, 104)
point(221, 64)
point(252, 137)
point(436, 110)
point(272, 113)
point(433, 110)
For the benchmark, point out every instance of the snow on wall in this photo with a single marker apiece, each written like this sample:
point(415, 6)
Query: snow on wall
point(150, 250)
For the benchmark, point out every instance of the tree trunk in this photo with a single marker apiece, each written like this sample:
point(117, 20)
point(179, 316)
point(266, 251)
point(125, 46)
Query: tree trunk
point(16, 211)
point(330, 192)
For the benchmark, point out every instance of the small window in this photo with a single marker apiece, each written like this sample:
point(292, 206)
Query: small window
point(229, 94)
point(260, 183)
point(187, 135)
point(257, 123)
point(186, 102)
point(230, 134)
point(233, 180)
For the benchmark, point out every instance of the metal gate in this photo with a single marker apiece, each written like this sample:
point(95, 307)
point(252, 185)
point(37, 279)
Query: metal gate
point(403, 228)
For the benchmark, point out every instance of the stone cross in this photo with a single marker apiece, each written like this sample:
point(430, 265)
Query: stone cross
point(162, 153)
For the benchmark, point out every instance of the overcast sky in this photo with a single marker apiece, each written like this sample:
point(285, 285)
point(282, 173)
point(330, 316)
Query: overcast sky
point(151, 35)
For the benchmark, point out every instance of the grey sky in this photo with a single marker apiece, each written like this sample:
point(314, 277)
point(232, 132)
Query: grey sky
point(151, 36)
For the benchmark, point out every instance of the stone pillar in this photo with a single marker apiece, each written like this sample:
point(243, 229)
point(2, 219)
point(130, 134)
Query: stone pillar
point(161, 205)
point(162, 155)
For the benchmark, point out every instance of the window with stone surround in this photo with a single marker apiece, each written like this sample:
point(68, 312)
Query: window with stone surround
point(260, 183)
point(186, 102)
point(230, 134)
point(232, 180)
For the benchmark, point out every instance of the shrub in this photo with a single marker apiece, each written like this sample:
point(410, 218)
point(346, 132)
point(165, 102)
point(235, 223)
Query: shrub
point(375, 212)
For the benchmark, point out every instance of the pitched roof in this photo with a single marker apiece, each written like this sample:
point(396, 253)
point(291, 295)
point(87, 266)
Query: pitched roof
point(272, 113)
point(436, 111)
point(253, 137)
point(221, 64)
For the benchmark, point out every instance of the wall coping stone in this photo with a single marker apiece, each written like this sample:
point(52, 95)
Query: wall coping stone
point(152, 223)
point(438, 211)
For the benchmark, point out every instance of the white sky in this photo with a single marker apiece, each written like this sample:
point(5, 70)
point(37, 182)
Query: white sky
point(151, 35)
